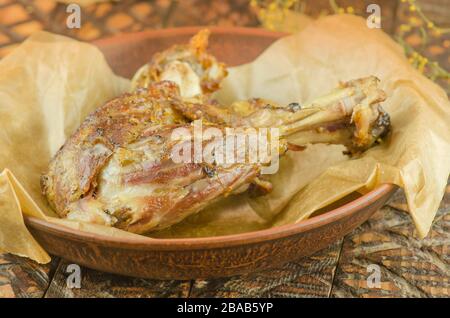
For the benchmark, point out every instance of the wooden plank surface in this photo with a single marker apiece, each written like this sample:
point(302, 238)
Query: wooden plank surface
point(23, 278)
point(308, 277)
point(408, 267)
point(98, 284)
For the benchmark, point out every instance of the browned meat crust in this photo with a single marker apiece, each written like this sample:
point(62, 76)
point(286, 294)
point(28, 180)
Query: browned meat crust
point(73, 171)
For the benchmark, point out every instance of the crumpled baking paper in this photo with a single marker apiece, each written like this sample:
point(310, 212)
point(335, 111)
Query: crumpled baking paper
point(416, 157)
point(47, 87)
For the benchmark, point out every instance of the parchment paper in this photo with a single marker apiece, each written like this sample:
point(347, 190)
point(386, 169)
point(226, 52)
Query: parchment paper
point(338, 48)
point(50, 83)
point(47, 87)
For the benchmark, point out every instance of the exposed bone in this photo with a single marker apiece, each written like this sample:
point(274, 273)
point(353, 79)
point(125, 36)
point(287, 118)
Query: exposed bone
point(353, 107)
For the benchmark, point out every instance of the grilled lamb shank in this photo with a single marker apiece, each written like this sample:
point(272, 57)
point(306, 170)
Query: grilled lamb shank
point(118, 168)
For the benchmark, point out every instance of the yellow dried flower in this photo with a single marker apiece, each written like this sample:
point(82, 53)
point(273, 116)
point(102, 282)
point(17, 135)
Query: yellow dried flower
point(414, 21)
point(273, 6)
point(405, 27)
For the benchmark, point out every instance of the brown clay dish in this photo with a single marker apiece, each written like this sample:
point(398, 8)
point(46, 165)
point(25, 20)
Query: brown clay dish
point(201, 257)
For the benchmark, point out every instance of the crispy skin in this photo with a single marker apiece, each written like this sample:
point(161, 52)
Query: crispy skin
point(139, 187)
point(74, 169)
point(159, 192)
point(117, 168)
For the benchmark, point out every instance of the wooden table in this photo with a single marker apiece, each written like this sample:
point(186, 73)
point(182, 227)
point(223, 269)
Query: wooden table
point(409, 267)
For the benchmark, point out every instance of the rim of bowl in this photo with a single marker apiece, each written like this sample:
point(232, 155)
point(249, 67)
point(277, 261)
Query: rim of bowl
point(190, 30)
point(211, 242)
point(222, 241)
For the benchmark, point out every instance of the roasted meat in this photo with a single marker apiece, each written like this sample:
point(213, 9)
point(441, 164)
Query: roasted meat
point(74, 169)
point(118, 168)
point(189, 66)
point(133, 163)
